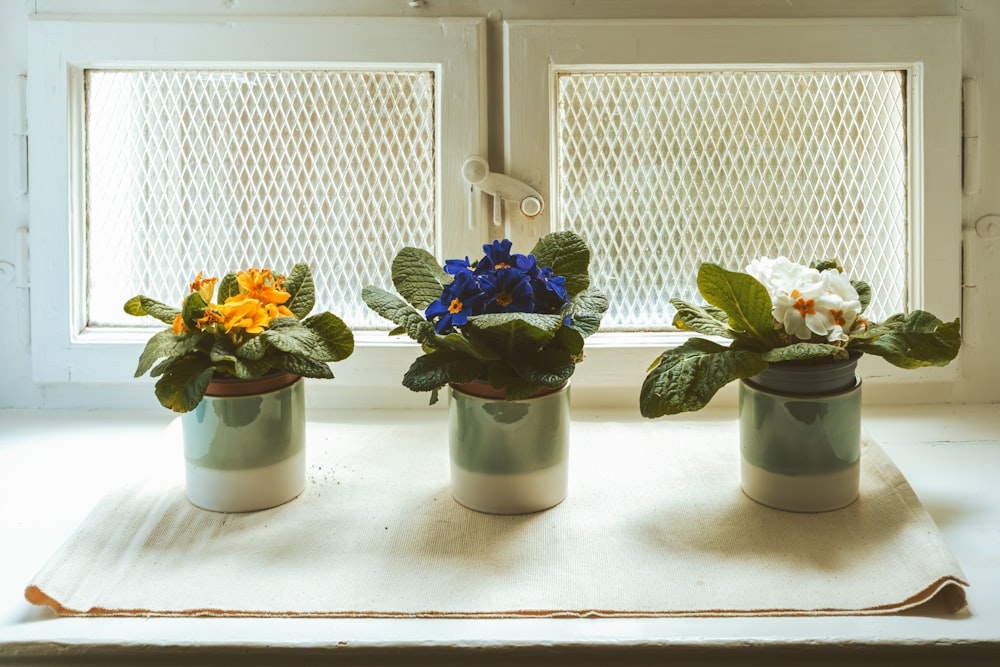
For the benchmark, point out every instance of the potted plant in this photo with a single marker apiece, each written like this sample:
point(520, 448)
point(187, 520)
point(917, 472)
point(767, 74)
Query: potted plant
point(504, 333)
point(796, 333)
point(232, 361)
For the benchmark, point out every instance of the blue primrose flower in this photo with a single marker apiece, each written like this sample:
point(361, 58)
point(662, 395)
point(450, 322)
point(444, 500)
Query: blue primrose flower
point(550, 291)
point(454, 266)
point(458, 301)
point(508, 291)
point(497, 256)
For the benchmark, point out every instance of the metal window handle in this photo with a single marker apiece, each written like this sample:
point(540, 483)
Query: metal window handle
point(476, 172)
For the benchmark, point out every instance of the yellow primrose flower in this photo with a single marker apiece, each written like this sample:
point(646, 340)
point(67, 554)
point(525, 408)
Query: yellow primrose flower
point(204, 287)
point(178, 326)
point(210, 317)
point(246, 314)
point(261, 285)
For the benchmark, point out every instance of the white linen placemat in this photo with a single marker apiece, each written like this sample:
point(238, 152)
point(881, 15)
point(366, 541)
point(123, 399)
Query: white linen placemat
point(655, 525)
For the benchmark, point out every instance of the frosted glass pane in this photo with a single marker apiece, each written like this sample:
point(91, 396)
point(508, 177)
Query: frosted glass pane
point(191, 170)
point(664, 171)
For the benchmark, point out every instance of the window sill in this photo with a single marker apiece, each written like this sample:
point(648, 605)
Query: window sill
point(949, 454)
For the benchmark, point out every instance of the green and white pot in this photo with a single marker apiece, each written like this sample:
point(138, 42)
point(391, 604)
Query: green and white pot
point(508, 457)
point(244, 444)
point(800, 436)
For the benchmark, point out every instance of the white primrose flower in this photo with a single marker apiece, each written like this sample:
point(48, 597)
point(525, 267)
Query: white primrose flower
point(806, 302)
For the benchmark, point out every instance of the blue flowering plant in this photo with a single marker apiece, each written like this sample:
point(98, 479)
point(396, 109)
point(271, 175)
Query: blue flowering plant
point(515, 321)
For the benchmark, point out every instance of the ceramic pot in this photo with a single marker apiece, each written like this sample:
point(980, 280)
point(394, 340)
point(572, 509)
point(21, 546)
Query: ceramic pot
point(800, 436)
point(508, 457)
point(244, 444)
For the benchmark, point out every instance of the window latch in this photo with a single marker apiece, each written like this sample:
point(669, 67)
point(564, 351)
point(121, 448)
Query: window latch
point(476, 172)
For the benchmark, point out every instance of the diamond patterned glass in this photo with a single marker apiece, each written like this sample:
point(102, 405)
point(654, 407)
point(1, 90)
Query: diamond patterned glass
point(663, 171)
point(209, 170)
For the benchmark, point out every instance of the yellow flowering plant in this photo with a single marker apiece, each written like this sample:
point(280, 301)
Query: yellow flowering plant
point(255, 323)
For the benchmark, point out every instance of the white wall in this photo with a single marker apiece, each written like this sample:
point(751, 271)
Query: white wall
point(978, 364)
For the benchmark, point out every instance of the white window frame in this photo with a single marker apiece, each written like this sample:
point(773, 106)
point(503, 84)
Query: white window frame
point(929, 49)
point(62, 48)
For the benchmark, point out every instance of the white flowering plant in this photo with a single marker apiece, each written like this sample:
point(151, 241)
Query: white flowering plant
point(780, 312)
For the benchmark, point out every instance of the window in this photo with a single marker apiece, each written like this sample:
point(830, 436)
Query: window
point(180, 146)
point(673, 142)
point(172, 148)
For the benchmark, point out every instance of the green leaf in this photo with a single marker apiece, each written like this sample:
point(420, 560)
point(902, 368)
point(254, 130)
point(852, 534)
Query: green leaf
point(140, 306)
point(471, 346)
point(418, 277)
point(568, 256)
point(549, 367)
point(690, 317)
point(585, 310)
point(686, 378)
point(291, 335)
point(824, 264)
point(741, 296)
point(299, 284)
point(252, 350)
point(166, 344)
point(222, 354)
point(335, 334)
point(569, 339)
point(433, 371)
point(183, 383)
point(514, 333)
point(514, 387)
point(229, 286)
point(912, 341)
point(193, 310)
point(864, 293)
point(393, 308)
point(802, 351)
point(295, 363)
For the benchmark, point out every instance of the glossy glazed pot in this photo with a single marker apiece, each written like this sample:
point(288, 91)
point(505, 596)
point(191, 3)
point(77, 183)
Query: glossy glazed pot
point(508, 457)
point(244, 444)
point(800, 436)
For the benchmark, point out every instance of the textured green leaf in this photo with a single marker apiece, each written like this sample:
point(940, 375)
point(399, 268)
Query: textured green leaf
point(864, 293)
point(433, 371)
point(686, 378)
point(193, 310)
point(418, 277)
point(741, 296)
point(569, 339)
point(291, 335)
point(183, 383)
point(549, 367)
point(252, 350)
point(335, 334)
point(802, 351)
point(222, 354)
point(299, 284)
point(393, 308)
point(585, 311)
point(470, 346)
point(166, 344)
point(824, 264)
point(695, 318)
point(140, 306)
point(228, 287)
point(912, 341)
point(294, 363)
point(568, 256)
point(514, 387)
point(514, 333)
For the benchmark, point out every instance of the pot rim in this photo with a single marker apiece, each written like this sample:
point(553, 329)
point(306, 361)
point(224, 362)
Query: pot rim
point(803, 396)
point(484, 390)
point(229, 387)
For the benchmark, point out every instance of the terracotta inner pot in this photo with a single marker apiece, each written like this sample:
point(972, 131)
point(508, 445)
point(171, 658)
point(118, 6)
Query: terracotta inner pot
point(484, 389)
point(238, 387)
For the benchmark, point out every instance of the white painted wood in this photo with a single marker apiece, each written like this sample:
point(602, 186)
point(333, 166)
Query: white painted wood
point(535, 51)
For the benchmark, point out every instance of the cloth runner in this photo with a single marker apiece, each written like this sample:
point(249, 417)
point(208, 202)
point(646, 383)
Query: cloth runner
point(655, 525)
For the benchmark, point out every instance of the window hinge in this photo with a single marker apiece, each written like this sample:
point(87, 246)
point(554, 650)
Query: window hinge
point(980, 244)
point(970, 136)
point(19, 128)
